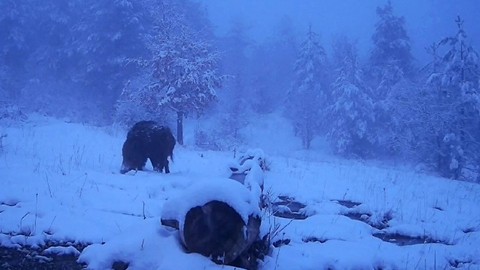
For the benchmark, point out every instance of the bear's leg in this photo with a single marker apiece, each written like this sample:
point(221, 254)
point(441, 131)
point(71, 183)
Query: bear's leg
point(167, 169)
point(157, 164)
point(141, 164)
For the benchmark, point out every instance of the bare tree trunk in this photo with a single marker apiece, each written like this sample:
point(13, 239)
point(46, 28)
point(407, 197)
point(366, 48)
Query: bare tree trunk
point(180, 115)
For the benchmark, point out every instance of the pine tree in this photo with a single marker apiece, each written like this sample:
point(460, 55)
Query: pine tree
point(390, 78)
point(390, 59)
point(391, 41)
point(309, 92)
point(140, 100)
point(235, 102)
point(455, 81)
point(186, 69)
point(59, 52)
point(183, 73)
point(109, 33)
point(18, 33)
point(351, 116)
point(272, 81)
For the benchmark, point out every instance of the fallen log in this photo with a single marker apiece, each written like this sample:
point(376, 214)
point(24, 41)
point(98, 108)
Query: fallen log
point(217, 231)
point(221, 219)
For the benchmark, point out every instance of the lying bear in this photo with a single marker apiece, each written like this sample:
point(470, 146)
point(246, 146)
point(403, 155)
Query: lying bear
point(147, 140)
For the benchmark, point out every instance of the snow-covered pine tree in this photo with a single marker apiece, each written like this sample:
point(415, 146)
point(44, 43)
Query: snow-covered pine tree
point(433, 115)
point(272, 81)
point(265, 94)
point(397, 120)
point(429, 108)
point(390, 69)
point(184, 68)
point(108, 34)
point(350, 116)
point(391, 43)
point(235, 101)
point(181, 75)
point(59, 52)
point(15, 45)
point(308, 95)
point(390, 59)
point(139, 101)
point(455, 79)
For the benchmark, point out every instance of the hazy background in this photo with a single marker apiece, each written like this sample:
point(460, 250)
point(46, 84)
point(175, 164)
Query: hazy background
point(426, 20)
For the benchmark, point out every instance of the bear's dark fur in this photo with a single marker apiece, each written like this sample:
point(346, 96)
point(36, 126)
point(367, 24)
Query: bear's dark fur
point(147, 140)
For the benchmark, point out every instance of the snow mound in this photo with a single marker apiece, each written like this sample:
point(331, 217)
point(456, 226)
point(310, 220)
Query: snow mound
point(228, 191)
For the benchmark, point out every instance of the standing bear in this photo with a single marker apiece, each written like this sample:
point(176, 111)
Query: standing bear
point(147, 140)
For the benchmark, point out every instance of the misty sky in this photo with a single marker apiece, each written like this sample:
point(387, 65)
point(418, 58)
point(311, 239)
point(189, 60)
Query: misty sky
point(427, 20)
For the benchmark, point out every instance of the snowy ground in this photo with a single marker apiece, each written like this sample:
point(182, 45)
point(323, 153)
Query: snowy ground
point(60, 182)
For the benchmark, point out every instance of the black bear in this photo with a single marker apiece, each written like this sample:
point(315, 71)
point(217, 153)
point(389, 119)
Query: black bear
point(147, 140)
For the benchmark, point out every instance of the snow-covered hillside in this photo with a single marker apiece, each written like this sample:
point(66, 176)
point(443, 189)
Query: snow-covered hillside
point(60, 183)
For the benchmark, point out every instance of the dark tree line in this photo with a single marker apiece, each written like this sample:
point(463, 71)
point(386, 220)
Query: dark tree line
point(75, 57)
point(69, 54)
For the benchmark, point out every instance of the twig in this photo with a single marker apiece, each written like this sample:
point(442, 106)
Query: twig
point(1, 140)
point(36, 214)
point(278, 255)
point(48, 184)
point(21, 220)
point(119, 229)
point(143, 210)
point(278, 230)
point(83, 185)
point(51, 223)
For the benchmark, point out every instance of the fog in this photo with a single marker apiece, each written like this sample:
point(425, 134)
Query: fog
point(267, 134)
point(426, 20)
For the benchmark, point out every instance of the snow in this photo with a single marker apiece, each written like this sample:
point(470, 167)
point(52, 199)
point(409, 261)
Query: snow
point(62, 251)
point(225, 190)
point(61, 183)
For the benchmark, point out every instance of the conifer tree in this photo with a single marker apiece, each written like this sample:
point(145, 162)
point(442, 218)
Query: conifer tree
point(309, 92)
point(455, 80)
point(391, 40)
point(351, 116)
point(235, 104)
point(183, 69)
point(390, 79)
